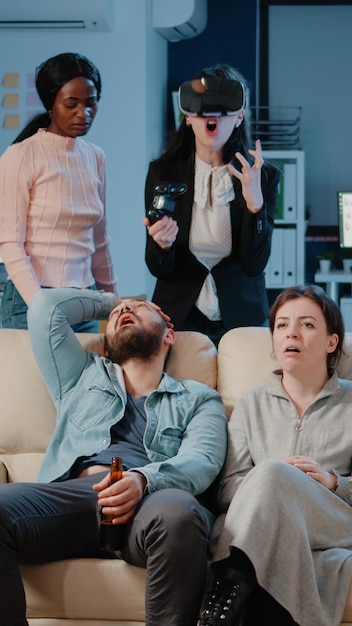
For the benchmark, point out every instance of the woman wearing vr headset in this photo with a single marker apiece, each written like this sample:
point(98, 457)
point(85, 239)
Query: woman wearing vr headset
point(209, 251)
point(52, 190)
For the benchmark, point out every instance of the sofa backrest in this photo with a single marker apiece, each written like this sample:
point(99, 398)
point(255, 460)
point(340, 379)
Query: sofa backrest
point(27, 414)
point(245, 359)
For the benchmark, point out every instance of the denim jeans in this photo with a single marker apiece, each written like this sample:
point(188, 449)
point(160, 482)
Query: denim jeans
point(52, 521)
point(14, 312)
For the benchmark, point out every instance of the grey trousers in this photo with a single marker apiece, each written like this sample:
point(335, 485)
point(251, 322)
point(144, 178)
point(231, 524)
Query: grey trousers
point(54, 521)
point(298, 536)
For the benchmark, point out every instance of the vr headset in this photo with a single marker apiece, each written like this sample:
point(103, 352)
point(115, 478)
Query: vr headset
point(211, 96)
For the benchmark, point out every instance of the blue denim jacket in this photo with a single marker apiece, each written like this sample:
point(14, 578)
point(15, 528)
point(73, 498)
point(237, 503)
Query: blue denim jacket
point(185, 437)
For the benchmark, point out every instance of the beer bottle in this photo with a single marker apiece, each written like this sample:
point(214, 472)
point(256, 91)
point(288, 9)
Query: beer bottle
point(112, 536)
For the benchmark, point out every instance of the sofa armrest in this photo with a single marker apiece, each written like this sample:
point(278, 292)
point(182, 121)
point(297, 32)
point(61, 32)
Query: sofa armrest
point(20, 467)
point(3, 472)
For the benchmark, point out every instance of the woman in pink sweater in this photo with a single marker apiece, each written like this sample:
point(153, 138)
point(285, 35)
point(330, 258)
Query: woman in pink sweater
point(52, 194)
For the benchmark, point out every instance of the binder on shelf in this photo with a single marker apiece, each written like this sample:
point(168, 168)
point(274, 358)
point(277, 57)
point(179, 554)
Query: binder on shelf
point(286, 204)
point(281, 269)
point(274, 268)
point(290, 191)
point(286, 265)
point(289, 257)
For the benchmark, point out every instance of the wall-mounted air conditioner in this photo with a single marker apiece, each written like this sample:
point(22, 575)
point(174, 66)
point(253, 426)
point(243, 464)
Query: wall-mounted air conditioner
point(89, 15)
point(179, 19)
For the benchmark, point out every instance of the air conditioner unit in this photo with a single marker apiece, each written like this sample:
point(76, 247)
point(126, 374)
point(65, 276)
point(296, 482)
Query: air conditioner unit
point(89, 15)
point(179, 19)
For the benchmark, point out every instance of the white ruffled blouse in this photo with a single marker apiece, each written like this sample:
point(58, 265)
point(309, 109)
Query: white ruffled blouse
point(210, 233)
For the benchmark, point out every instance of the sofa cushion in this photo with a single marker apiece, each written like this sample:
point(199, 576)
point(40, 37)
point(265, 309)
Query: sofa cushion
point(246, 358)
point(27, 414)
point(85, 589)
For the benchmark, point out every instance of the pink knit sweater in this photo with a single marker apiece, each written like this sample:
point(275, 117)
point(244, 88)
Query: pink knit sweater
point(52, 214)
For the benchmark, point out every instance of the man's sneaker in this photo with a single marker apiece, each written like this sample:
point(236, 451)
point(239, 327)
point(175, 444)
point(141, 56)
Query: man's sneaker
point(226, 601)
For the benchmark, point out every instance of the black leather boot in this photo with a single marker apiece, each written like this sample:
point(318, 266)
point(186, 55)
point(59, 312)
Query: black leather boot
point(227, 600)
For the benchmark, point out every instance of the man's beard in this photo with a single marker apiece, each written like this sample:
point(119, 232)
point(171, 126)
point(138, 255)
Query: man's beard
point(131, 342)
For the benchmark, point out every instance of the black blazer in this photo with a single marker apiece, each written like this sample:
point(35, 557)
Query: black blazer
point(239, 277)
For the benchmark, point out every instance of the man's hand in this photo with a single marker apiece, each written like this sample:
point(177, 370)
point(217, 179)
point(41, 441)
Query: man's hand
point(121, 498)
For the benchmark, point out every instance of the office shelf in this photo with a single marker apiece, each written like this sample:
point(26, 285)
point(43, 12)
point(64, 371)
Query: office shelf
point(286, 265)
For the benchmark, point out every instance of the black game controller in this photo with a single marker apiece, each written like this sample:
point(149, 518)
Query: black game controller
point(164, 200)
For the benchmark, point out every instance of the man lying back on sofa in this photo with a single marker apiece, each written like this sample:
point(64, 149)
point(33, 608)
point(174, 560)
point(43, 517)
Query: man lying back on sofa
point(170, 434)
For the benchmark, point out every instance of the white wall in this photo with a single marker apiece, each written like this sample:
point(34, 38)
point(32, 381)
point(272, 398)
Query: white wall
point(310, 51)
point(129, 125)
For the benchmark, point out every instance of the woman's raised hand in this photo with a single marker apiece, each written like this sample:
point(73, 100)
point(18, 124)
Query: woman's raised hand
point(250, 178)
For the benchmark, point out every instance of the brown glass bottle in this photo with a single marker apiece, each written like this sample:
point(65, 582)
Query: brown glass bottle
point(112, 536)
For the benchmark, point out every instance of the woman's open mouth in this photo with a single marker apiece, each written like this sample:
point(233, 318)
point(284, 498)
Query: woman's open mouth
point(212, 125)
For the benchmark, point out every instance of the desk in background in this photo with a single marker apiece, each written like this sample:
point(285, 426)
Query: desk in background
point(332, 280)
